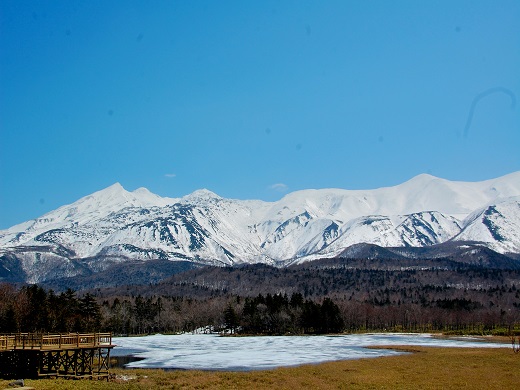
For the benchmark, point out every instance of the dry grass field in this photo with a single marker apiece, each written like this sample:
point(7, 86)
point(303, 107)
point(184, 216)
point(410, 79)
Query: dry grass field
point(425, 368)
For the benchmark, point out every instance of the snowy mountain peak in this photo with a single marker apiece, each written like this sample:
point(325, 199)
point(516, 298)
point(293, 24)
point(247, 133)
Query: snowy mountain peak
point(142, 191)
point(116, 187)
point(202, 195)
point(115, 191)
point(148, 197)
point(116, 196)
point(423, 178)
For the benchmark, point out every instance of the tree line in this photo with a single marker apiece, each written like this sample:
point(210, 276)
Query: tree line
point(33, 309)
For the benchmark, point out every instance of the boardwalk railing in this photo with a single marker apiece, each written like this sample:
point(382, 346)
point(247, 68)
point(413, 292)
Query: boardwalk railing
point(54, 341)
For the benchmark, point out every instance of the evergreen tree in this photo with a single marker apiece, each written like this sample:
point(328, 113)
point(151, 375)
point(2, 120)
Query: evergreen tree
point(331, 320)
point(37, 315)
point(90, 314)
point(231, 320)
point(8, 321)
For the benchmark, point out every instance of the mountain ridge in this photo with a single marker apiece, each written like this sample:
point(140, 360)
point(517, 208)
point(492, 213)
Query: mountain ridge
point(114, 225)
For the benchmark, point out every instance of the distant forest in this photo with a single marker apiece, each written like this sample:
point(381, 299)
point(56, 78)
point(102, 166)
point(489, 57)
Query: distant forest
point(321, 297)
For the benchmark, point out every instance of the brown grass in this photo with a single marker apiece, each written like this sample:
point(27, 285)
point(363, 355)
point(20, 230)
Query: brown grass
point(425, 368)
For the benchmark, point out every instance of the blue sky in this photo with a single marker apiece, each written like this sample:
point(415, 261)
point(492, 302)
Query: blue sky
point(251, 99)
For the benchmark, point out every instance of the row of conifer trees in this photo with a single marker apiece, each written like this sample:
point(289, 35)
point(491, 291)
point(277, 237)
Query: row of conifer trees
point(33, 309)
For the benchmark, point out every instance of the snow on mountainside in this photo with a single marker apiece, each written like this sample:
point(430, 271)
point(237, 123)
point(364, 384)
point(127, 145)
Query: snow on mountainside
point(114, 225)
point(497, 225)
point(87, 209)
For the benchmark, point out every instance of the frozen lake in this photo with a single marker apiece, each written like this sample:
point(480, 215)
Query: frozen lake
point(213, 352)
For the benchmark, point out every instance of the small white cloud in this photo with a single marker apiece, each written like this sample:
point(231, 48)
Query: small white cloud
point(170, 175)
point(280, 187)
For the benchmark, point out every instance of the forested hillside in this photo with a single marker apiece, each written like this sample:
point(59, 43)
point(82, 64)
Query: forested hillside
point(319, 297)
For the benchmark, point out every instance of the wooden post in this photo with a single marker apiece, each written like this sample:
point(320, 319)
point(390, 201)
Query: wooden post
point(516, 348)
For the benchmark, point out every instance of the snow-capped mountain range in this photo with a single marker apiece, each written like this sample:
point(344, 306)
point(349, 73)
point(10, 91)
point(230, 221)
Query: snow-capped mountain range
point(114, 225)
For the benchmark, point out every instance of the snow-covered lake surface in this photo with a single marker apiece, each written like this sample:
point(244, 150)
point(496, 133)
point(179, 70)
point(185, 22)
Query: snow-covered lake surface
point(212, 352)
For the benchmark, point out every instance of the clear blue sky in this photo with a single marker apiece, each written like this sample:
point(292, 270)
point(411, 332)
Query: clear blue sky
point(251, 99)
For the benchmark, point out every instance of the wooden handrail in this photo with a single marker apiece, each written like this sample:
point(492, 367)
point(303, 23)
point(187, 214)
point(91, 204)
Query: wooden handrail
point(54, 341)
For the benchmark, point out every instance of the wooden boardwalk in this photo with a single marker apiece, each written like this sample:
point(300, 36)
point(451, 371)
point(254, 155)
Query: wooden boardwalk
point(54, 341)
point(70, 355)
